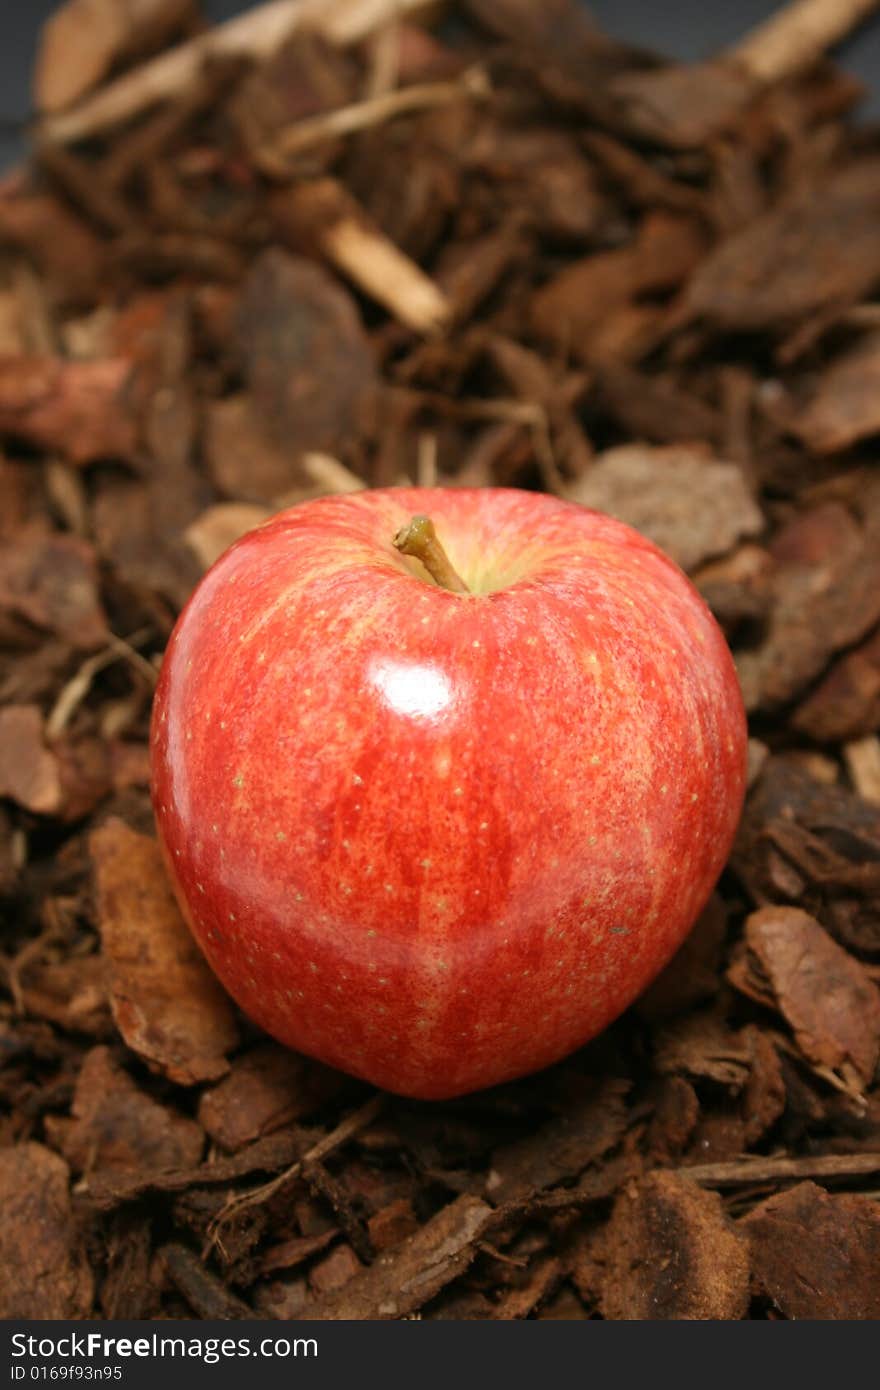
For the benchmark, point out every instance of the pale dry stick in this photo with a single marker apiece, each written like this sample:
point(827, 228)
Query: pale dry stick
point(384, 61)
point(79, 685)
point(328, 473)
point(256, 34)
point(345, 1130)
point(796, 37)
point(426, 460)
point(324, 215)
point(862, 758)
point(362, 115)
point(384, 273)
point(741, 1172)
point(862, 316)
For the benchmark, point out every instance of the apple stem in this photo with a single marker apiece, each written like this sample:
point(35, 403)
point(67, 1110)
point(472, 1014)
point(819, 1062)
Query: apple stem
point(418, 538)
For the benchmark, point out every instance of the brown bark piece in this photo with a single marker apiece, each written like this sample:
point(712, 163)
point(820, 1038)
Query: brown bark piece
point(126, 534)
point(562, 1148)
point(332, 1273)
point(82, 40)
point(130, 1287)
point(826, 596)
point(51, 581)
point(29, 771)
point(76, 409)
point(403, 1281)
point(846, 701)
point(70, 993)
point(304, 354)
point(681, 106)
point(676, 1112)
point(264, 1090)
point(290, 1253)
point(670, 1252)
point(43, 1272)
point(109, 1189)
point(763, 1100)
point(791, 963)
point(846, 404)
point(166, 1003)
point(573, 308)
point(817, 1255)
point(525, 1296)
point(322, 216)
point(392, 1224)
point(220, 526)
point(117, 1125)
point(690, 504)
point(244, 461)
point(804, 256)
point(701, 1045)
point(202, 1290)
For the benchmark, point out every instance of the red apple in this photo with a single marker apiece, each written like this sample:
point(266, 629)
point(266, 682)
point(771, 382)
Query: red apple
point(438, 839)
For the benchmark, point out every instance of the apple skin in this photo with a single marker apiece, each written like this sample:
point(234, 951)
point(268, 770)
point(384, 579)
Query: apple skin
point(441, 841)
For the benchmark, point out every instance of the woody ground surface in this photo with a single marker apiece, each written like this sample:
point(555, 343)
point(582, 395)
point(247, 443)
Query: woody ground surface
point(612, 281)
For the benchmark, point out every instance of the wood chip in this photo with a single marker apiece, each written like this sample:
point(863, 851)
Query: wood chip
point(44, 1271)
point(109, 1189)
point(562, 1149)
point(116, 1125)
point(84, 38)
point(217, 528)
point(701, 1045)
point(845, 703)
point(792, 964)
point(815, 1255)
point(401, 1282)
point(826, 597)
point(800, 258)
point(690, 504)
point(670, 1252)
point(265, 1089)
point(323, 215)
point(846, 405)
point(166, 1003)
point(29, 771)
point(76, 409)
point(51, 581)
point(292, 319)
point(862, 758)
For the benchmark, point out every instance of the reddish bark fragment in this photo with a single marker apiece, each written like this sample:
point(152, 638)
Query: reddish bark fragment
point(117, 1125)
point(816, 1254)
point(670, 1252)
point(77, 409)
point(43, 1271)
point(166, 1003)
point(791, 963)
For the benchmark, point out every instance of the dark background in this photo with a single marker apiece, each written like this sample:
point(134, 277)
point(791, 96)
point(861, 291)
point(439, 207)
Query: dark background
point(686, 29)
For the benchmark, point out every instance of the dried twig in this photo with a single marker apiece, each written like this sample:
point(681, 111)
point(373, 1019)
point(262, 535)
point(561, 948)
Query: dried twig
point(740, 1172)
point(344, 1131)
point(256, 34)
point(796, 37)
point(201, 1289)
point(362, 115)
point(322, 215)
point(862, 758)
point(74, 692)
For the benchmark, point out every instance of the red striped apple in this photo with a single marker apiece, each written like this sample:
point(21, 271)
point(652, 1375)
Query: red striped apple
point(444, 777)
